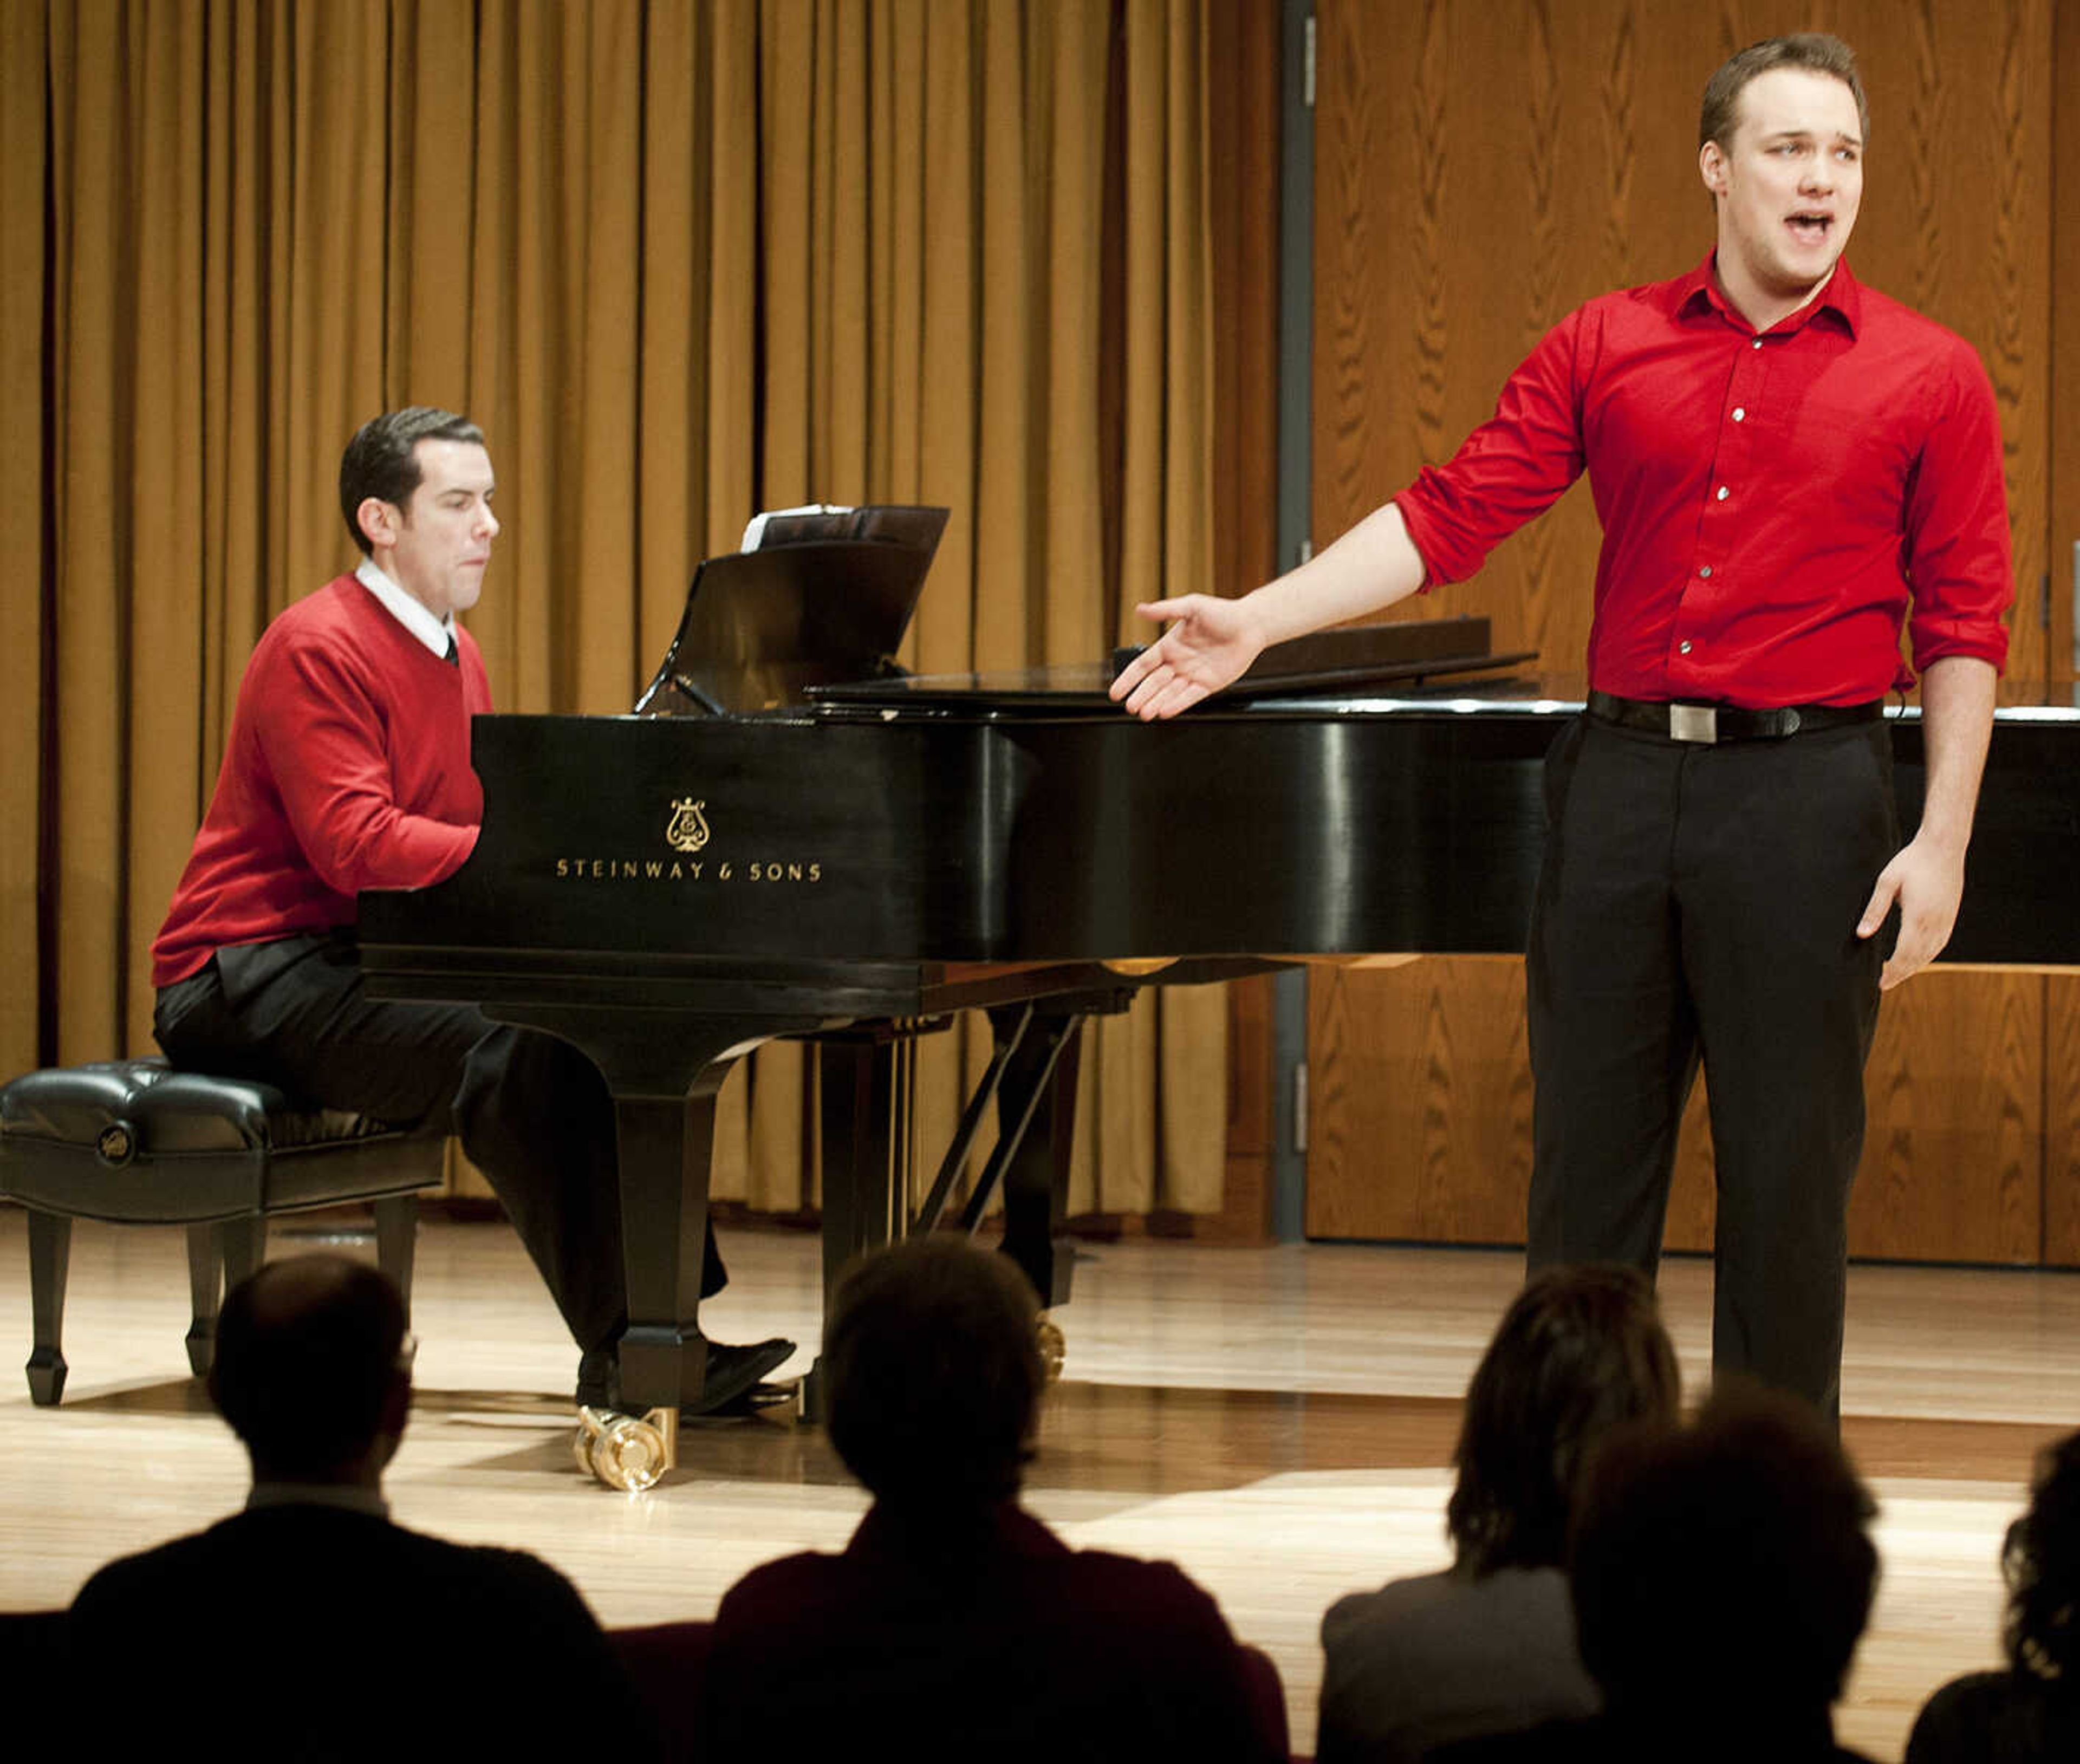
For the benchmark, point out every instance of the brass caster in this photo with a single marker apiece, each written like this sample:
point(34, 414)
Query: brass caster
point(1054, 1347)
point(626, 1452)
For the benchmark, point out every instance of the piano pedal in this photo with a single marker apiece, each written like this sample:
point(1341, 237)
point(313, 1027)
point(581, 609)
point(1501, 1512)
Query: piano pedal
point(786, 1403)
point(1054, 1347)
point(764, 1401)
point(625, 1451)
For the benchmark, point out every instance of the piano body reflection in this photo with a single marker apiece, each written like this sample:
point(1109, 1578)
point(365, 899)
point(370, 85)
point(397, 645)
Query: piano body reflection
point(669, 892)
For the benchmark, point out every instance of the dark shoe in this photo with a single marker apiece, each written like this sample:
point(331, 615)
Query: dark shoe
point(599, 1379)
point(734, 1371)
point(730, 1386)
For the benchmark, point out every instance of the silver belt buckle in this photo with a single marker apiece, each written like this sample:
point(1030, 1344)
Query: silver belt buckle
point(1693, 722)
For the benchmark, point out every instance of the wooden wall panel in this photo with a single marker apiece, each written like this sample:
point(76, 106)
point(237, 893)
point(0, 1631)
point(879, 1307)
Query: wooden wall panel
point(1953, 1149)
point(1419, 1102)
point(2061, 1120)
point(1482, 168)
point(1693, 1205)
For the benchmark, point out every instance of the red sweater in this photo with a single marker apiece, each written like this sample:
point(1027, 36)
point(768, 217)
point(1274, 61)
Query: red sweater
point(347, 768)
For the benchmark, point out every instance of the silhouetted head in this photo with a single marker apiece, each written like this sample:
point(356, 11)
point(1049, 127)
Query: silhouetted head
point(1580, 1351)
point(934, 1373)
point(1727, 1566)
point(311, 1369)
point(2042, 1559)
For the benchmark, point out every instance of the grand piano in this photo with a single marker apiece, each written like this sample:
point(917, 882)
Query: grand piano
point(858, 862)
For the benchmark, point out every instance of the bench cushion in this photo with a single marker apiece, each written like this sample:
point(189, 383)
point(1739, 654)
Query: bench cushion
point(135, 1141)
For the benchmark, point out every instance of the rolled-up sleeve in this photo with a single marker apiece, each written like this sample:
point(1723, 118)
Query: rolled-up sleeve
point(1957, 552)
point(1512, 468)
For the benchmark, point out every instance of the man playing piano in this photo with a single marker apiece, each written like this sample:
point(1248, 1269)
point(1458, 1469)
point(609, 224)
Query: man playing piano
point(348, 767)
point(1784, 462)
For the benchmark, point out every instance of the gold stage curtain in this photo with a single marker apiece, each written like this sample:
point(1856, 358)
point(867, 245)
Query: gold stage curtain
point(24, 498)
point(682, 261)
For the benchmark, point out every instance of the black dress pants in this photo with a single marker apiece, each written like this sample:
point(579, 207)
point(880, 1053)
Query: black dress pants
point(531, 1111)
point(1700, 901)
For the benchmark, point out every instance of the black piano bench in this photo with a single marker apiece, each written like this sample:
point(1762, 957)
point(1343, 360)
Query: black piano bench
point(134, 1142)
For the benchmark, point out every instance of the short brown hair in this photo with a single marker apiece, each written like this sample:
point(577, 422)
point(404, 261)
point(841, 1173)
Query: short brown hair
point(1581, 1352)
point(1814, 51)
point(1726, 1563)
point(932, 1361)
point(381, 460)
point(308, 1358)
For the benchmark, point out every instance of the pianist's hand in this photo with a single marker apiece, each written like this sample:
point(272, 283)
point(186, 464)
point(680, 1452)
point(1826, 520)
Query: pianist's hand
point(1209, 645)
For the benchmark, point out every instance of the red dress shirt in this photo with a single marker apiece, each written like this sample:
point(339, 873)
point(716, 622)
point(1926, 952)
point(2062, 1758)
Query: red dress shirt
point(1771, 503)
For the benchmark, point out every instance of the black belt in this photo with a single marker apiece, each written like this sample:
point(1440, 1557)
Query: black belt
point(1710, 722)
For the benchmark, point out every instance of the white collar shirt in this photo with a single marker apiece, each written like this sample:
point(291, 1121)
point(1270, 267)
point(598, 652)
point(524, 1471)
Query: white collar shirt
point(438, 634)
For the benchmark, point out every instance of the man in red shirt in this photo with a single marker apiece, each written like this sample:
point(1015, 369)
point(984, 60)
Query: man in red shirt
point(1787, 465)
point(347, 767)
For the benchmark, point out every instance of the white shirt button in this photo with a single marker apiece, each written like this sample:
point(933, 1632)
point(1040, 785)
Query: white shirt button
point(1740, 413)
point(1721, 492)
point(1706, 570)
point(1683, 649)
point(1757, 344)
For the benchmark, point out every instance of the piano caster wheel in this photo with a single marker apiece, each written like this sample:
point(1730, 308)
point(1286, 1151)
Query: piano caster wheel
point(1054, 1347)
point(626, 1452)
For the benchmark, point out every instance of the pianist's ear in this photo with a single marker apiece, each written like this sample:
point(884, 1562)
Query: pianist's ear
point(378, 520)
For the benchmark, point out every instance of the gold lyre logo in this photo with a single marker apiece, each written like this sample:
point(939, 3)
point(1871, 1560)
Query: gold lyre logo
point(688, 831)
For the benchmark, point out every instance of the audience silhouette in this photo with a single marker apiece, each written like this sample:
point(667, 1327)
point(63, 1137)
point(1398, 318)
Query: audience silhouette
point(1722, 1574)
point(956, 1625)
point(1717, 1576)
point(309, 1626)
point(1488, 1645)
point(2029, 1714)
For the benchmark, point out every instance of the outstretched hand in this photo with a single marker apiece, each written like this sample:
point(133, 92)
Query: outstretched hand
point(1210, 644)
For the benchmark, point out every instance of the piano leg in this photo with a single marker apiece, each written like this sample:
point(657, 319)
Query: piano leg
point(665, 1146)
point(864, 1088)
point(663, 1069)
point(864, 1085)
point(863, 1091)
point(1039, 1088)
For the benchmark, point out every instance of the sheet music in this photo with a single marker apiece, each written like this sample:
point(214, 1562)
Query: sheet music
point(754, 532)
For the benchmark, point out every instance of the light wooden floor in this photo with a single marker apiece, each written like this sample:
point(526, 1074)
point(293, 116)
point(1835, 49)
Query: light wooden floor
point(1277, 1420)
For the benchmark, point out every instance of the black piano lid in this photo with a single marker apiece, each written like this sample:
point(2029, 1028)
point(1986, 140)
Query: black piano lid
point(1081, 688)
point(1340, 659)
